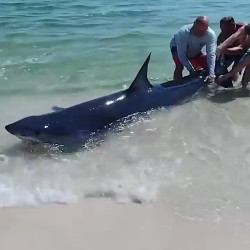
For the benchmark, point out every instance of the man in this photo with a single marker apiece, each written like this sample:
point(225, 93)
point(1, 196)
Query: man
point(186, 48)
point(241, 35)
point(235, 52)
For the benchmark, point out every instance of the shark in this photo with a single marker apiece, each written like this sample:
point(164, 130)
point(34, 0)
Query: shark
point(75, 125)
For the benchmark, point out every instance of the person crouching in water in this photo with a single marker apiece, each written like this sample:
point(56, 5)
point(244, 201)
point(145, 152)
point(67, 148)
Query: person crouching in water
point(186, 46)
point(234, 53)
point(242, 35)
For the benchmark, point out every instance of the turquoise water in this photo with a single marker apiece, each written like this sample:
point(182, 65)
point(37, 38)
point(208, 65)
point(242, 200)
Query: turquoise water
point(50, 47)
point(195, 157)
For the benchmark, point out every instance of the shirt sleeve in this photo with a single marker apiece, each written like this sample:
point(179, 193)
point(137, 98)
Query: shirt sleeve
point(211, 48)
point(182, 45)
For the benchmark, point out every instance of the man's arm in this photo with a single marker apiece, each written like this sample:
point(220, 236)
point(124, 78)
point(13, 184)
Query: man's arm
point(210, 49)
point(233, 38)
point(233, 51)
point(182, 45)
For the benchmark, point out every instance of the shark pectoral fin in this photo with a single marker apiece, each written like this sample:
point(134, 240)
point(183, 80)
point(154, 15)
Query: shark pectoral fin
point(141, 81)
point(57, 109)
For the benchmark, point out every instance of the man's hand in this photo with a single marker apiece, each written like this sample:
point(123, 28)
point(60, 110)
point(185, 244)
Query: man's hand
point(222, 78)
point(219, 79)
point(192, 73)
point(218, 52)
point(196, 72)
point(209, 79)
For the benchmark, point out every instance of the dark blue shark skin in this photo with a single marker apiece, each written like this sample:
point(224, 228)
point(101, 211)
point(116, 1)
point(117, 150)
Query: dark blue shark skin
point(76, 124)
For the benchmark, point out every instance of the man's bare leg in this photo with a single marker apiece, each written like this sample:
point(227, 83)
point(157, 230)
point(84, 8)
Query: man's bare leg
point(235, 77)
point(178, 72)
point(246, 76)
point(244, 63)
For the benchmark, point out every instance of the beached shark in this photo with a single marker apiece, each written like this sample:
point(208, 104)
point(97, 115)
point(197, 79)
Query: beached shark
point(77, 124)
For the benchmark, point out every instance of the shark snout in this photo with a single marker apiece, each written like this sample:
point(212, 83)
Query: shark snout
point(14, 128)
point(9, 128)
point(19, 129)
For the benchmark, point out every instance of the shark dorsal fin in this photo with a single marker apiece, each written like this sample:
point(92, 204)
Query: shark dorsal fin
point(57, 109)
point(141, 81)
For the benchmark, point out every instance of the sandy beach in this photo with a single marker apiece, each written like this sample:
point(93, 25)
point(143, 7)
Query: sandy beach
point(102, 224)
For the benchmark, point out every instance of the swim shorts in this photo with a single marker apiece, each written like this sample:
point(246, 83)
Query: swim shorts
point(198, 62)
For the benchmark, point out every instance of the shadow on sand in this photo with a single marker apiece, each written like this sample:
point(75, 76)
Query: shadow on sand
point(218, 94)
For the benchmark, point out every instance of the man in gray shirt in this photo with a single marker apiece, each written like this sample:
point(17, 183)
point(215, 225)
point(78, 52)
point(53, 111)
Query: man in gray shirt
point(186, 47)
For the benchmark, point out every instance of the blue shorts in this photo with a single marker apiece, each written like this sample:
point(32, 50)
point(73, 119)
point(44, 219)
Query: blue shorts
point(235, 59)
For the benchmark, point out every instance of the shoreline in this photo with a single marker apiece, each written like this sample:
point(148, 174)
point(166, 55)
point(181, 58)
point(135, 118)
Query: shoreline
point(102, 224)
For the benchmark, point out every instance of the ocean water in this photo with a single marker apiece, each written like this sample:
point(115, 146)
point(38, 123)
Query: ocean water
point(195, 157)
